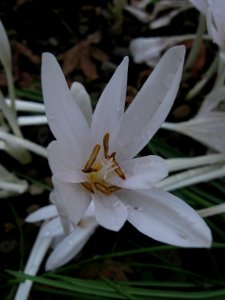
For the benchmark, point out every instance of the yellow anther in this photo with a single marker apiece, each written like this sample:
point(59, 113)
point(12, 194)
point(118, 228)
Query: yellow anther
point(118, 170)
point(113, 188)
point(90, 162)
point(106, 144)
point(87, 186)
point(102, 188)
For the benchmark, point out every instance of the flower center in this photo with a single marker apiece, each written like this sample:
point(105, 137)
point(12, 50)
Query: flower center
point(99, 169)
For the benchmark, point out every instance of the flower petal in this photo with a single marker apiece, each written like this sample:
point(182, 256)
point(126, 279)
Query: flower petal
point(82, 99)
point(202, 6)
point(110, 106)
point(110, 212)
point(152, 104)
point(43, 213)
point(70, 246)
point(5, 51)
point(71, 201)
point(166, 218)
point(208, 129)
point(64, 116)
point(61, 157)
point(53, 228)
point(211, 101)
point(141, 172)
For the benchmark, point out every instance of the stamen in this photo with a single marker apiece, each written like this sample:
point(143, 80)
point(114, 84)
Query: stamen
point(90, 162)
point(87, 186)
point(102, 188)
point(113, 188)
point(106, 144)
point(118, 170)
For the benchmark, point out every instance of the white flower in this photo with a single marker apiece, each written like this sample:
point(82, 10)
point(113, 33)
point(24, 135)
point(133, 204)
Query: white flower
point(96, 163)
point(51, 234)
point(149, 50)
point(215, 17)
point(208, 126)
point(65, 247)
point(169, 9)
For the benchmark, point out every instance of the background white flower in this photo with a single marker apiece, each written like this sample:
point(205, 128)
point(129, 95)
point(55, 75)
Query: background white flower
point(95, 163)
point(215, 17)
point(208, 126)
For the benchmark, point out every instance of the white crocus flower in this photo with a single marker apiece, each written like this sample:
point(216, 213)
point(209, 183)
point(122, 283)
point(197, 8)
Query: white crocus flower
point(65, 247)
point(149, 50)
point(51, 234)
point(215, 17)
point(208, 125)
point(95, 163)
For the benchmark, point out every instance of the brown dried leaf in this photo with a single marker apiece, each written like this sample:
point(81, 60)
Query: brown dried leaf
point(79, 57)
point(88, 68)
point(99, 54)
point(109, 269)
point(24, 50)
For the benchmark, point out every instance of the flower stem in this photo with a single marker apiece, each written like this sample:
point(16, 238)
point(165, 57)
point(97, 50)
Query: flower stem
point(193, 176)
point(211, 211)
point(205, 78)
point(34, 261)
point(197, 42)
point(21, 142)
point(220, 76)
point(176, 164)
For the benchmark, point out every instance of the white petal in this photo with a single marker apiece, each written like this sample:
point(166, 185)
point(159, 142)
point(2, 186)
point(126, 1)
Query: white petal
point(64, 116)
point(70, 246)
point(70, 176)
point(218, 10)
point(71, 201)
point(211, 101)
point(62, 156)
point(82, 99)
point(209, 130)
point(5, 52)
point(139, 14)
point(141, 172)
point(201, 5)
point(43, 213)
point(144, 49)
point(166, 218)
point(53, 228)
point(109, 211)
point(110, 106)
point(152, 104)
point(213, 31)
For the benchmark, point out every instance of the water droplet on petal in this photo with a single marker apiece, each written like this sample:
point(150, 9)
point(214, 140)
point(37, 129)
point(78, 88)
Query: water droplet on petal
point(116, 204)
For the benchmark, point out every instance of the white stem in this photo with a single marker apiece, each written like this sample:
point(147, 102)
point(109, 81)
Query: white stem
point(23, 105)
point(192, 176)
point(32, 120)
point(13, 187)
point(211, 211)
point(35, 259)
point(10, 116)
point(169, 126)
point(176, 164)
point(20, 142)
